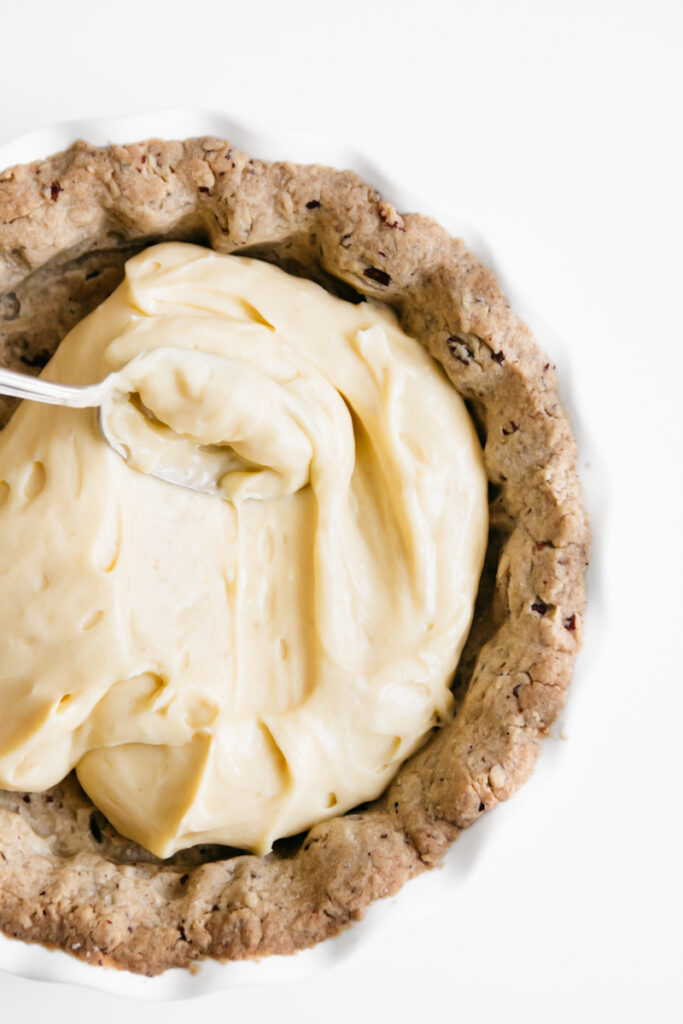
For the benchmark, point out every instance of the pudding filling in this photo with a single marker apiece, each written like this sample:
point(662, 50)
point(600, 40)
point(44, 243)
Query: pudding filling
point(234, 666)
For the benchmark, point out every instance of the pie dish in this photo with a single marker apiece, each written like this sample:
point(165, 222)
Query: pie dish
point(66, 226)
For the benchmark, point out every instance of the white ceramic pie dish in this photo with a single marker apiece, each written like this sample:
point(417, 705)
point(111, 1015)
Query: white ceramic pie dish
point(434, 891)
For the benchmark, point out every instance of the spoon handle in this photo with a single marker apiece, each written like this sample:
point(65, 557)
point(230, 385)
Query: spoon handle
point(20, 385)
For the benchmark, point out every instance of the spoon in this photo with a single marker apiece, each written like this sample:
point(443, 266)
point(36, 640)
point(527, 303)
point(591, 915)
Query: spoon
point(197, 471)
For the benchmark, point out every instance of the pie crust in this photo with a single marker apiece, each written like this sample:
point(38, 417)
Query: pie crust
point(67, 225)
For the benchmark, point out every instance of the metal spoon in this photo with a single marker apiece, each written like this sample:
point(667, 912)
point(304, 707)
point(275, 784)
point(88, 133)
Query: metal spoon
point(199, 473)
point(88, 396)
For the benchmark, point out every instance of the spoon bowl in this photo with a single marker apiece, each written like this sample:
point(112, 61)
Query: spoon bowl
point(96, 396)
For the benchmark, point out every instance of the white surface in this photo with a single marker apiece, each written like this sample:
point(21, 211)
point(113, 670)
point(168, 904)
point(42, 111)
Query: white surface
point(557, 133)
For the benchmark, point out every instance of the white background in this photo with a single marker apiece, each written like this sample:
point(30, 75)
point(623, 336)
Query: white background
point(557, 130)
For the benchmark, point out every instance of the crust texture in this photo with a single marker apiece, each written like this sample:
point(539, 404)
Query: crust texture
point(67, 225)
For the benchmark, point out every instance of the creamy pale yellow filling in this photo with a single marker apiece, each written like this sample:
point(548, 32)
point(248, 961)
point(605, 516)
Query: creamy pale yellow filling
point(233, 668)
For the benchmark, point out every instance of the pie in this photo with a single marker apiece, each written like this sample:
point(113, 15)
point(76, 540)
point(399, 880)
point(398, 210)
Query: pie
point(67, 225)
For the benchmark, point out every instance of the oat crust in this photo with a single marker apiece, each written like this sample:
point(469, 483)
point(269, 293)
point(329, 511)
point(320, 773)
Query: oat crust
point(67, 224)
